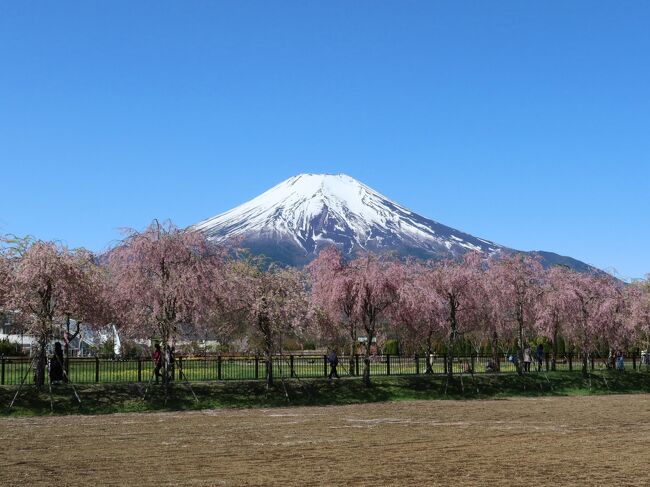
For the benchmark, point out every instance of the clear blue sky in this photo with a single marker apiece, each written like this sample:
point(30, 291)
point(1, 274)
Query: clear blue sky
point(527, 123)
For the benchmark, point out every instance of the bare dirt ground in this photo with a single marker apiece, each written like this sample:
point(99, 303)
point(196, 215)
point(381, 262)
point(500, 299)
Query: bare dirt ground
point(594, 440)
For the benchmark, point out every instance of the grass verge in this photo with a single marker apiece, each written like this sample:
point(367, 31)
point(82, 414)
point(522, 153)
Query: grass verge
point(116, 398)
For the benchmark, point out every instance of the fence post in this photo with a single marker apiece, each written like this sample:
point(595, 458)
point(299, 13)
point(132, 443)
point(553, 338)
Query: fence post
point(473, 361)
point(417, 364)
point(257, 366)
point(570, 362)
point(388, 364)
point(96, 368)
point(634, 360)
point(445, 360)
point(219, 367)
point(139, 369)
point(356, 364)
point(292, 373)
point(2, 371)
point(325, 365)
point(591, 359)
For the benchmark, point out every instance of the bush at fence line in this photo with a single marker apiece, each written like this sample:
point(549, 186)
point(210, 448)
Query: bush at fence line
point(107, 349)
point(391, 347)
point(10, 349)
point(191, 349)
point(132, 351)
point(198, 349)
point(545, 343)
point(292, 345)
point(462, 347)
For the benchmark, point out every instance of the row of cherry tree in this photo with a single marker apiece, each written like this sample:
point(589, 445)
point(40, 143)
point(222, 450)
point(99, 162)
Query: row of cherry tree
point(503, 301)
point(163, 282)
point(166, 282)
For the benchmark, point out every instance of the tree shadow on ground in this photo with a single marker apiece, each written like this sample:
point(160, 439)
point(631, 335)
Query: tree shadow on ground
point(112, 398)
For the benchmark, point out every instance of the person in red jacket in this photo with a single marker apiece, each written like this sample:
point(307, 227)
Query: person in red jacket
point(157, 361)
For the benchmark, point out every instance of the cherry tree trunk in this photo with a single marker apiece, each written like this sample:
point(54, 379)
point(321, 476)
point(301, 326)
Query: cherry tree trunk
point(585, 364)
point(41, 362)
point(353, 345)
point(66, 361)
point(495, 351)
point(269, 368)
point(452, 341)
point(554, 352)
point(520, 352)
point(366, 359)
point(450, 359)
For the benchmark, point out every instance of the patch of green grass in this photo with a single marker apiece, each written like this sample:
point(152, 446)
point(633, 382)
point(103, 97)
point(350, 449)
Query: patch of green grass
point(113, 398)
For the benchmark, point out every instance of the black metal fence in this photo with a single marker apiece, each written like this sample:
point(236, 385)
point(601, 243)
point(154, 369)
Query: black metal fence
point(217, 368)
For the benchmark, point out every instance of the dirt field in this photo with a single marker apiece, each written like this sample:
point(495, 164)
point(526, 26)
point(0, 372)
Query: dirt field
point(594, 440)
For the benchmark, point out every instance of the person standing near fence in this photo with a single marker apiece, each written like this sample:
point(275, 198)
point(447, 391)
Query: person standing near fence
point(156, 357)
point(611, 359)
point(620, 361)
point(333, 360)
point(171, 363)
point(56, 364)
point(540, 356)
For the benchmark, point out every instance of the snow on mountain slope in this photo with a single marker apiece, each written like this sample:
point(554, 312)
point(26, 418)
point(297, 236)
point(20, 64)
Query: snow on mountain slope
point(309, 211)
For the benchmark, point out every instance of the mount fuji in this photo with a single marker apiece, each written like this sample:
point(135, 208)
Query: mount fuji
point(291, 222)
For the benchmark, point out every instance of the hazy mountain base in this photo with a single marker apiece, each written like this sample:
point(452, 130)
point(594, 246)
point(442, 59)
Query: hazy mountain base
point(288, 253)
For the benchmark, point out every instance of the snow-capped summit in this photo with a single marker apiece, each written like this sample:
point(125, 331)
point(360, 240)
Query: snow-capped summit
point(310, 211)
point(292, 221)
